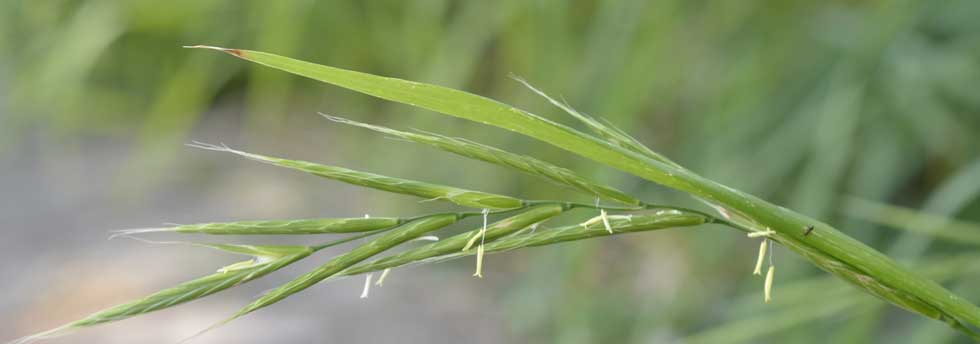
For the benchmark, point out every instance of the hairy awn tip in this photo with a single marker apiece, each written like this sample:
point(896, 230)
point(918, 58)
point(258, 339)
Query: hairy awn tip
point(128, 232)
point(479, 249)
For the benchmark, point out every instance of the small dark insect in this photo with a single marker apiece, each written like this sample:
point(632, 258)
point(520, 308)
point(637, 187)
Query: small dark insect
point(808, 230)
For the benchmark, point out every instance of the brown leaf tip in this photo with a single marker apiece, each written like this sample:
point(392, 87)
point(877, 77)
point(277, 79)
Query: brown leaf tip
point(236, 52)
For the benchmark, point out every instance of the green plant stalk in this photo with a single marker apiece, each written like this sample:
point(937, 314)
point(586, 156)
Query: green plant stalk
point(504, 158)
point(619, 225)
point(827, 247)
point(455, 243)
point(541, 237)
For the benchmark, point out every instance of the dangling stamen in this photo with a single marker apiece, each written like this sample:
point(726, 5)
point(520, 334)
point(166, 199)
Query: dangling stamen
point(479, 249)
point(479, 262)
point(603, 216)
point(591, 221)
point(762, 255)
point(770, 253)
point(367, 286)
point(768, 287)
point(769, 275)
point(381, 279)
point(605, 220)
point(472, 241)
point(766, 233)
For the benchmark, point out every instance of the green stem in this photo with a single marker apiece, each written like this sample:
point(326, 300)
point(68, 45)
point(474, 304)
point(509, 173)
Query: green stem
point(531, 203)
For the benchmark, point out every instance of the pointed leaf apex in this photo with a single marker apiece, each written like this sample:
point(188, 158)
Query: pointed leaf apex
point(236, 52)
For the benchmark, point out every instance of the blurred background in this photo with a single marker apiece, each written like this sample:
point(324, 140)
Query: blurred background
point(811, 105)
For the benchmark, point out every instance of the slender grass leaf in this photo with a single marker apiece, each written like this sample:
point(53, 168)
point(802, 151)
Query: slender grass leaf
point(469, 106)
point(822, 298)
point(951, 230)
point(745, 330)
point(504, 158)
point(463, 197)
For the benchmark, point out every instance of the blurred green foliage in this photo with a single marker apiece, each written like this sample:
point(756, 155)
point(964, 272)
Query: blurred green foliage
point(802, 103)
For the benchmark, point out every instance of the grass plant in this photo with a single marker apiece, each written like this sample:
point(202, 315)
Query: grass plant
point(821, 244)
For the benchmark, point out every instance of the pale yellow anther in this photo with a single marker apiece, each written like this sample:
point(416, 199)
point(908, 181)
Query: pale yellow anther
point(472, 241)
point(479, 262)
point(762, 254)
point(381, 279)
point(238, 266)
point(768, 288)
point(592, 221)
point(367, 286)
point(479, 249)
point(605, 220)
point(765, 233)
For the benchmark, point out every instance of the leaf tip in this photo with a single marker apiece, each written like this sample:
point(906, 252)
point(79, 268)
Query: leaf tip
point(236, 52)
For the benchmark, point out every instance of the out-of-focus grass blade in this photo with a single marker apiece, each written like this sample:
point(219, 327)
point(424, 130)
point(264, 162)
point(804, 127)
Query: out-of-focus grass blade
point(745, 330)
point(805, 301)
point(504, 158)
point(279, 227)
point(463, 197)
point(826, 247)
point(914, 221)
point(270, 258)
